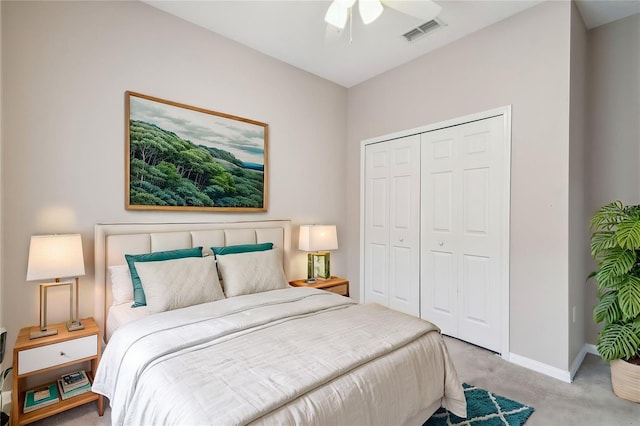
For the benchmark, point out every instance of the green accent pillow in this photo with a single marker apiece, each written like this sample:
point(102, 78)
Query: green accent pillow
point(241, 248)
point(138, 293)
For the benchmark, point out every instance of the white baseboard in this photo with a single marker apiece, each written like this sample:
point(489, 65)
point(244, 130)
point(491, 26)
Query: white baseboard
point(591, 349)
point(577, 362)
point(548, 370)
point(556, 373)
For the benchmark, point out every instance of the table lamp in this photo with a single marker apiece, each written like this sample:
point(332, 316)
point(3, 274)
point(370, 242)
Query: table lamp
point(53, 257)
point(317, 240)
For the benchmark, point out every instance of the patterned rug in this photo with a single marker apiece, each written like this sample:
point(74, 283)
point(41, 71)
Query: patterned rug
point(484, 409)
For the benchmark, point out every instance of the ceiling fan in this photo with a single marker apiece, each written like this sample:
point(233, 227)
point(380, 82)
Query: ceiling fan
point(340, 10)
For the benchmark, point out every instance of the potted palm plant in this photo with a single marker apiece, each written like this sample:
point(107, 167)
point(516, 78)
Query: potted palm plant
point(615, 245)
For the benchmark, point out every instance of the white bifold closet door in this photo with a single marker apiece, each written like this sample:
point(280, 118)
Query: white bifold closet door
point(392, 224)
point(462, 214)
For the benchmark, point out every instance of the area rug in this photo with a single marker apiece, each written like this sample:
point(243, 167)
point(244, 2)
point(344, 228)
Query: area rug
point(484, 409)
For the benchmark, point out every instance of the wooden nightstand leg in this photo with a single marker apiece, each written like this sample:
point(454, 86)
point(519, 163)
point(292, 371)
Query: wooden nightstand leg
point(94, 370)
point(15, 396)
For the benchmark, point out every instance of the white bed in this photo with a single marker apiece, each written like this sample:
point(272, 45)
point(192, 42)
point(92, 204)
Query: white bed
point(285, 356)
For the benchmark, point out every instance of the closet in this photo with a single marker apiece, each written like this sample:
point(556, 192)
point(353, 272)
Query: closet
point(435, 215)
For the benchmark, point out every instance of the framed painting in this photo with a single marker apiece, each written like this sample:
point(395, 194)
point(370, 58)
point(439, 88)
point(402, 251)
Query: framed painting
point(180, 157)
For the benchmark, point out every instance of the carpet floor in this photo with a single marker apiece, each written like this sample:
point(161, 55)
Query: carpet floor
point(588, 401)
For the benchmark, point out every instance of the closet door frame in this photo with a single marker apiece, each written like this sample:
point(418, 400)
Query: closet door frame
point(505, 112)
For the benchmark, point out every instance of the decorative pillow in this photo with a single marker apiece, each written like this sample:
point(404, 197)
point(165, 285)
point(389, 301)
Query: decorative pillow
point(121, 285)
point(252, 272)
point(241, 248)
point(178, 283)
point(138, 291)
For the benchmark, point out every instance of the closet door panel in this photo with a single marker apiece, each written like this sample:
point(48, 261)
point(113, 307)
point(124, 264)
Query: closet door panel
point(439, 227)
point(376, 224)
point(481, 166)
point(404, 231)
point(441, 298)
point(461, 184)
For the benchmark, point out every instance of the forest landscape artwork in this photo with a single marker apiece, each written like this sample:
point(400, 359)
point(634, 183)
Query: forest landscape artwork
point(187, 158)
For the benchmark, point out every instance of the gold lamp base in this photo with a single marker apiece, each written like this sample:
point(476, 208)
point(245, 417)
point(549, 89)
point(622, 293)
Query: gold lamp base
point(71, 324)
point(318, 266)
point(42, 333)
point(75, 325)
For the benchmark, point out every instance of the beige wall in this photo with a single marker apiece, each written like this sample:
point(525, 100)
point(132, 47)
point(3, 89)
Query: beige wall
point(578, 209)
point(519, 62)
point(613, 125)
point(66, 66)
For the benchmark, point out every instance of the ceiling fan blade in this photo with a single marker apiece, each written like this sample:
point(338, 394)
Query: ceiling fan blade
point(370, 10)
point(337, 14)
point(423, 9)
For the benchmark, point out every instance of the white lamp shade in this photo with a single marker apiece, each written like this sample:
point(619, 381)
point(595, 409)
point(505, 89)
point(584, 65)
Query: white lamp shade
point(55, 256)
point(318, 238)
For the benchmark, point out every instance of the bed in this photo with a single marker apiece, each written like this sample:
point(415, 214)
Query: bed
point(253, 353)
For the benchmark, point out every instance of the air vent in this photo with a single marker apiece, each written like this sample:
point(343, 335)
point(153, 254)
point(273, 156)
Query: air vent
point(422, 30)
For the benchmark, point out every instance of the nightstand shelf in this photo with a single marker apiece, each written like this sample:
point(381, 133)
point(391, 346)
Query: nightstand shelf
point(33, 357)
point(334, 284)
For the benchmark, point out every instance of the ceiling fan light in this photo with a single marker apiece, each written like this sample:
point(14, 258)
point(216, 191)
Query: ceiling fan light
point(337, 15)
point(370, 10)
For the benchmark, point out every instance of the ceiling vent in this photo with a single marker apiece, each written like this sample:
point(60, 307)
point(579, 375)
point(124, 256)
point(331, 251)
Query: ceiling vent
point(422, 30)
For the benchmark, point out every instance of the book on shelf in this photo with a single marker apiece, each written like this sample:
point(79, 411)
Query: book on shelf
point(74, 392)
point(74, 380)
point(40, 397)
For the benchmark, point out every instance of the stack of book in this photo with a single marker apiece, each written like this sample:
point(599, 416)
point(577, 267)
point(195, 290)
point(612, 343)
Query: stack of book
point(40, 397)
point(73, 384)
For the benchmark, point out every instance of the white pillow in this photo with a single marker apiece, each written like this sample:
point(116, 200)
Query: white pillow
point(253, 272)
point(121, 285)
point(178, 283)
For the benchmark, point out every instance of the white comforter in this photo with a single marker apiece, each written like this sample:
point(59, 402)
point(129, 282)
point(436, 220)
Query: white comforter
point(293, 356)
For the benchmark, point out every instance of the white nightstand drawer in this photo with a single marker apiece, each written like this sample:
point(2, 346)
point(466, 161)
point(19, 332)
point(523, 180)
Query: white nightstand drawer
point(57, 353)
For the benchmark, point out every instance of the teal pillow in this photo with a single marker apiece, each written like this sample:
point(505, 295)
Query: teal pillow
point(241, 248)
point(138, 293)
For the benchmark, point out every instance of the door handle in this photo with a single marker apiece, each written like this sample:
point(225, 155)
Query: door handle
point(441, 243)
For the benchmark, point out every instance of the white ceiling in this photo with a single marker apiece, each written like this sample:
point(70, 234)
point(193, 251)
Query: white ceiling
point(295, 32)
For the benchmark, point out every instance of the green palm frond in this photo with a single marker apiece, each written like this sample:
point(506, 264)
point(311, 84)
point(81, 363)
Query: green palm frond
point(602, 241)
point(615, 263)
point(632, 212)
point(629, 298)
point(615, 245)
point(618, 341)
point(608, 216)
point(628, 234)
point(608, 308)
point(607, 281)
point(636, 326)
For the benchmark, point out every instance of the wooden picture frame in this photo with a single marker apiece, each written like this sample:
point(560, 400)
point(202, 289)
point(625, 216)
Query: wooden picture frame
point(180, 157)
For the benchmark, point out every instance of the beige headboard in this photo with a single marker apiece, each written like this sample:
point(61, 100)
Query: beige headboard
point(113, 241)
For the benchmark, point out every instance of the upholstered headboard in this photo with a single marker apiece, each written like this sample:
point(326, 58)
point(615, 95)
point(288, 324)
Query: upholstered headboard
point(113, 241)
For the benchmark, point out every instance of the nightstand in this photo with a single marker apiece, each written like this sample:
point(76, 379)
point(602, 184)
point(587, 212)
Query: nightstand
point(33, 357)
point(334, 284)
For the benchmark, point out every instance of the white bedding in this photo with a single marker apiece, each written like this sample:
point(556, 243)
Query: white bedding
point(291, 356)
point(120, 315)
